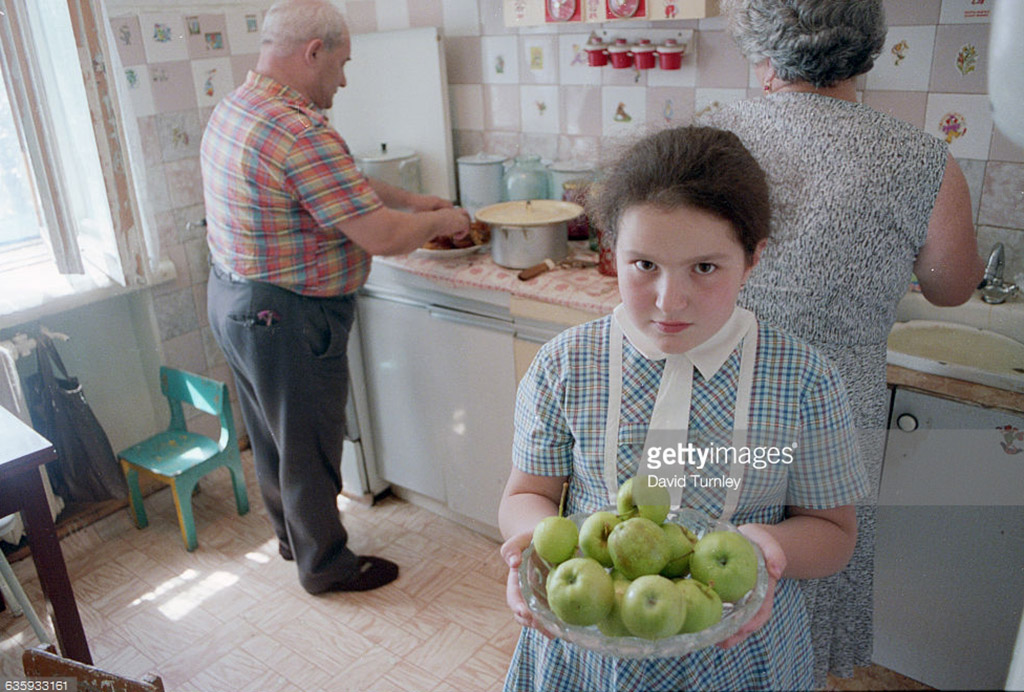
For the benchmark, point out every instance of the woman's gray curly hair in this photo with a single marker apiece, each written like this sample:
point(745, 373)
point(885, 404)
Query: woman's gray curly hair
point(817, 41)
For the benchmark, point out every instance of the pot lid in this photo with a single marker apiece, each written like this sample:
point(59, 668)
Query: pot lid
point(529, 212)
point(482, 158)
point(385, 153)
point(671, 46)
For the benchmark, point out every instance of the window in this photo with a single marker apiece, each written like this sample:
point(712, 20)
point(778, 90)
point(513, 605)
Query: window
point(66, 208)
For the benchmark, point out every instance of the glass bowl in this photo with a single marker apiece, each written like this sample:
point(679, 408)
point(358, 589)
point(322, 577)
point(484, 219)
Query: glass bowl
point(533, 573)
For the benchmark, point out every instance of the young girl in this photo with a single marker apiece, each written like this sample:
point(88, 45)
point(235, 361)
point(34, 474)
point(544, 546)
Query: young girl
point(689, 210)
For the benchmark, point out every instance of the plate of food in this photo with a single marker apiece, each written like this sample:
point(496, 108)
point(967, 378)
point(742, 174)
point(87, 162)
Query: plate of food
point(611, 592)
point(444, 247)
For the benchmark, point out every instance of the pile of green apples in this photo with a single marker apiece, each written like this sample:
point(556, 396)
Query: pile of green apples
point(636, 574)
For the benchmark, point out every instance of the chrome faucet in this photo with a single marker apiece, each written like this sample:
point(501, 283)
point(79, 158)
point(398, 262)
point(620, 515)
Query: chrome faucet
point(993, 289)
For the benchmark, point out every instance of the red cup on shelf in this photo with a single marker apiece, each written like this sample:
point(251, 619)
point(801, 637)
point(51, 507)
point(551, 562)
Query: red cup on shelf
point(621, 54)
point(597, 52)
point(670, 54)
point(644, 54)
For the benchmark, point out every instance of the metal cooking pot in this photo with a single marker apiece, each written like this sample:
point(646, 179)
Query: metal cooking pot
point(397, 165)
point(527, 232)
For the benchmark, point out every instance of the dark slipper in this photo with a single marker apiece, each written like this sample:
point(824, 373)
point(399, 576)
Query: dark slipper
point(373, 573)
point(285, 551)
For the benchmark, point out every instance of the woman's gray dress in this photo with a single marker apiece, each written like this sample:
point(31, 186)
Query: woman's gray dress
point(852, 192)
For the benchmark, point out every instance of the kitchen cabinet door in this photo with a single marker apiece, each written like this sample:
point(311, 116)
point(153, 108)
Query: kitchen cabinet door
point(398, 360)
point(949, 564)
point(477, 401)
point(442, 393)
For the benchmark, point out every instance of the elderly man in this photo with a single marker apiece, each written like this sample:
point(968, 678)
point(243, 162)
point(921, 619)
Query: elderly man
point(292, 226)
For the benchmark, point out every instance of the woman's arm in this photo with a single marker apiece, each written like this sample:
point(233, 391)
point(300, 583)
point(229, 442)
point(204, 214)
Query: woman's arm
point(811, 543)
point(948, 266)
point(816, 542)
point(527, 499)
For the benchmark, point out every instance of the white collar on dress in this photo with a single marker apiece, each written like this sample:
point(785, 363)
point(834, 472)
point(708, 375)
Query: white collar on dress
point(707, 357)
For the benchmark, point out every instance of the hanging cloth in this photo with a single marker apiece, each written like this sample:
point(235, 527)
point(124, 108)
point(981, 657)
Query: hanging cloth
point(672, 403)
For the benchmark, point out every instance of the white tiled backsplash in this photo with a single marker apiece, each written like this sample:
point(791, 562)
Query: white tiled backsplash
point(526, 90)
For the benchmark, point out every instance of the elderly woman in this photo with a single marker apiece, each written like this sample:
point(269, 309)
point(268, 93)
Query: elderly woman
point(860, 201)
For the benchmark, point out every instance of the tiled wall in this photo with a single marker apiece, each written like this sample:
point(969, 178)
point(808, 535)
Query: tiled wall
point(528, 90)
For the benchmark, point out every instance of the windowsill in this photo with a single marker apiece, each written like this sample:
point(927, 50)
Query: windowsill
point(37, 290)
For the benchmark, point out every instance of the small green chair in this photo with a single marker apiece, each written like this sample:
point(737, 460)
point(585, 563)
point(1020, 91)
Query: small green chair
point(180, 458)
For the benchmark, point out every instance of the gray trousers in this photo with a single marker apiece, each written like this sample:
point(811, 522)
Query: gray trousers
point(288, 354)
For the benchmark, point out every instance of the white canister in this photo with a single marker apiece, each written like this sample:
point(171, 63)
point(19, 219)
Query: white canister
point(564, 171)
point(480, 180)
point(396, 165)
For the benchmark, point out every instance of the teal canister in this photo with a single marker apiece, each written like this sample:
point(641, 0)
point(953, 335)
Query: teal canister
point(527, 178)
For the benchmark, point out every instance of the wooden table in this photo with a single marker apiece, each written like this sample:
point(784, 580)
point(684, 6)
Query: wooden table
point(22, 452)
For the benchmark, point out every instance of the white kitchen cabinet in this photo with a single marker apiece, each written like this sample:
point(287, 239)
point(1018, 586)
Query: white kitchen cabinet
point(441, 390)
point(949, 565)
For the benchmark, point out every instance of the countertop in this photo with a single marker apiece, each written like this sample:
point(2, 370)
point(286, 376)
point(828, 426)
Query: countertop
point(581, 289)
point(590, 292)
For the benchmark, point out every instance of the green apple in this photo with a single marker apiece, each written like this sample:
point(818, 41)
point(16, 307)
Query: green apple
point(653, 607)
point(580, 592)
point(554, 539)
point(594, 536)
point(638, 546)
point(612, 626)
point(725, 561)
point(703, 605)
point(681, 541)
point(642, 496)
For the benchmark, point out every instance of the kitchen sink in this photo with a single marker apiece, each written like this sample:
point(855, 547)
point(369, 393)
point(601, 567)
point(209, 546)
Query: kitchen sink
point(959, 351)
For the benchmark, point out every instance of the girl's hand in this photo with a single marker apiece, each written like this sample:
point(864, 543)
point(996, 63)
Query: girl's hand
point(512, 554)
point(775, 562)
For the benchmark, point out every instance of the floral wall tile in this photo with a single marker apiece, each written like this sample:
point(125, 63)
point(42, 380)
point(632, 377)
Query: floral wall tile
point(540, 109)
point(960, 63)
point(573, 67)
point(243, 27)
point(163, 36)
point(905, 61)
point(966, 11)
point(213, 80)
point(206, 35)
point(467, 106)
point(179, 134)
point(461, 18)
point(708, 100)
point(685, 76)
point(962, 121)
point(623, 110)
point(128, 39)
point(539, 60)
point(670, 106)
point(139, 88)
point(500, 59)
point(172, 85)
point(392, 15)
